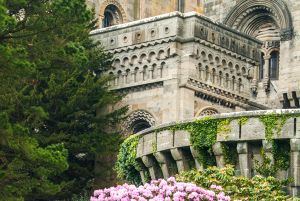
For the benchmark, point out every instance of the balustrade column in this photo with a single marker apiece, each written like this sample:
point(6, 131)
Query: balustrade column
point(165, 162)
point(244, 159)
point(295, 167)
point(218, 152)
point(182, 160)
point(152, 166)
point(196, 157)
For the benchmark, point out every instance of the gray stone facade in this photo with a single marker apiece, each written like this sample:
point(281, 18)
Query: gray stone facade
point(177, 66)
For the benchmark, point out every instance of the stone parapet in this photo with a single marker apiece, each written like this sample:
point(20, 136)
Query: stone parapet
point(246, 133)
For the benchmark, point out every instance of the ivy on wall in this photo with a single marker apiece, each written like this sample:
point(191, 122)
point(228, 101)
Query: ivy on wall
point(203, 135)
point(127, 166)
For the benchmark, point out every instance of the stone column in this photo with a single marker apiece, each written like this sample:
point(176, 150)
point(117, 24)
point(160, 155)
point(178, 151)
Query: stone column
point(152, 166)
point(196, 156)
point(244, 158)
point(124, 74)
point(141, 75)
point(159, 69)
point(201, 73)
point(217, 148)
point(182, 160)
point(166, 164)
point(150, 72)
point(266, 79)
point(295, 167)
point(268, 148)
point(133, 76)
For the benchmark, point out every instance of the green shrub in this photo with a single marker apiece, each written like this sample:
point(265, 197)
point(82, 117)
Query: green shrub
point(237, 187)
point(127, 166)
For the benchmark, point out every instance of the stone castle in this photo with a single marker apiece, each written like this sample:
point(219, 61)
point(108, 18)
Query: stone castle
point(181, 59)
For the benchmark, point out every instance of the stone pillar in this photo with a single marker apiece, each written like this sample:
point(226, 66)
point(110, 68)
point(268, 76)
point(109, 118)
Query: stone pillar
point(266, 79)
point(124, 75)
point(196, 156)
point(244, 158)
point(152, 166)
point(295, 167)
point(133, 76)
point(268, 148)
point(201, 73)
point(150, 72)
point(166, 164)
point(217, 148)
point(159, 69)
point(141, 75)
point(182, 160)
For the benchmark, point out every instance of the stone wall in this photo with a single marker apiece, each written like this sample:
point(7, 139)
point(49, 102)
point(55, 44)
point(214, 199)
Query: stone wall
point(176, 65)
point(140, 9)
point(166, 152)
point(289, 67)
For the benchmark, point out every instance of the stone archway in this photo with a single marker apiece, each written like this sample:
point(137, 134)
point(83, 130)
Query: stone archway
point(137, 121)
point(248, 15)
point(114, 10)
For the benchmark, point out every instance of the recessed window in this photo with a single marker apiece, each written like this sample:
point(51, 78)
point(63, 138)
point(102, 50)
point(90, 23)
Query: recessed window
point(274, 65)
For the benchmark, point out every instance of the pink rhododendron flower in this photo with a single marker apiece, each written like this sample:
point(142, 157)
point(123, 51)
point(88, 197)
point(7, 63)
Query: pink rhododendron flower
point(160, 190)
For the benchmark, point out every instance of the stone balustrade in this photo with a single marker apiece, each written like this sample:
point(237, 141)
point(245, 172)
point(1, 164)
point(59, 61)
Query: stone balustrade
point(165, 152)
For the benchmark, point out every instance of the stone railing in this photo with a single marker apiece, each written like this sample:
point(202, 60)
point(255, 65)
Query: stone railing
point(165, 152)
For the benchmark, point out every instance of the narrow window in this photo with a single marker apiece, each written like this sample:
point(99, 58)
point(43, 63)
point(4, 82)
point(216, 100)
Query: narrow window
point(274, 65)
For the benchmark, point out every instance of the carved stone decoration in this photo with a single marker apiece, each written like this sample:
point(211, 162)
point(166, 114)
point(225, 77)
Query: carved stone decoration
point(207, 111)
point(247, 16)
point(140, 118)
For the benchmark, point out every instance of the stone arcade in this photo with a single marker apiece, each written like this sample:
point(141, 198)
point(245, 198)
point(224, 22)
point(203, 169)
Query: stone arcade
point(181, 59)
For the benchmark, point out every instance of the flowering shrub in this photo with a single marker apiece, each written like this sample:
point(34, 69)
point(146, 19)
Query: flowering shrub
point(160, 190)
point(237, 187)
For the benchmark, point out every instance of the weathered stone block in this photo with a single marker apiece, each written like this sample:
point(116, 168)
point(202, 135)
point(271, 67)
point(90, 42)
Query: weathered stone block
point(149, 143)
point(230, 132)
point(164, 140)
point(287, 130)
point(140, 148)
point(253, 129)
point(181, 139)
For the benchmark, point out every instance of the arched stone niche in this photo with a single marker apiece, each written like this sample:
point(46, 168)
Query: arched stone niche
point(207, 111)
point(137, 121)
point(248, 16)
point(111, 13)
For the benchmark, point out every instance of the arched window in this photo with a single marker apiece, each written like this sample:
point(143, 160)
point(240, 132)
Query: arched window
point(112, 16)
point(274, 65)
point(140, 125)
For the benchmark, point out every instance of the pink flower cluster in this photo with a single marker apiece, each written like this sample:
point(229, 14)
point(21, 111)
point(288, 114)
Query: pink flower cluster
point(160, 190)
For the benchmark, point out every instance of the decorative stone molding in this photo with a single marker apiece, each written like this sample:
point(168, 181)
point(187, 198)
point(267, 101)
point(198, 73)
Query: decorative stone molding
point(246, 11)
point(134, 117)
point(207, 111)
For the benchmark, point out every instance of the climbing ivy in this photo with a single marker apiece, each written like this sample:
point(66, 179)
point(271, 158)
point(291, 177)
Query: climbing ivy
point(127, 166)
point(230, 153)
point(273, 124)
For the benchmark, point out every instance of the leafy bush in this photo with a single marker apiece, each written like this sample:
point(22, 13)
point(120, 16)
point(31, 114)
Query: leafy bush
point(237, 187)
point(161, 190)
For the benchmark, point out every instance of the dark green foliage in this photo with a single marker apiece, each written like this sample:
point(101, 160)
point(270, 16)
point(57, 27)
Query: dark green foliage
point(237, 187)
point(53, 95)
point(26, 167)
